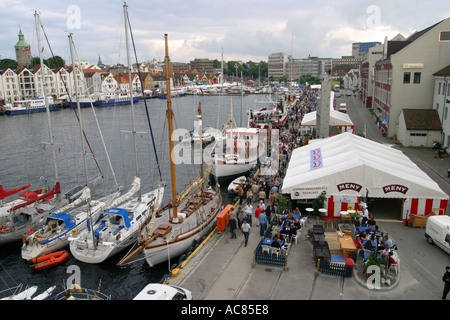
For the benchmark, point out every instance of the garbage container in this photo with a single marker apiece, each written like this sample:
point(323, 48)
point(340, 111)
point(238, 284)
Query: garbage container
point(349, 263)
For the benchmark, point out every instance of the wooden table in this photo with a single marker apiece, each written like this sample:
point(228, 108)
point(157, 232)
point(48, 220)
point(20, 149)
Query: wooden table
point(347, 244)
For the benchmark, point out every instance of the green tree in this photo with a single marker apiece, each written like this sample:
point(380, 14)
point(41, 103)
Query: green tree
point(8, 63)
point(50, 62)
point(232, 68)
point(217, 64)
point(282, 202)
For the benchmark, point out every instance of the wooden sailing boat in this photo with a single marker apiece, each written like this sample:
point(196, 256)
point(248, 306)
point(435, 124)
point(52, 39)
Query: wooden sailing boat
point(189, 215)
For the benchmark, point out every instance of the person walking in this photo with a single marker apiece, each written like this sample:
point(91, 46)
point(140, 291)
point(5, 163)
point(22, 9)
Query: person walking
point(446, 279)
point(255, 189)
point(248, 213)
point(233, 224)
point(240, 217)
point(257, 213)
point(262, 223)
point(245, 230)
point(262, 194)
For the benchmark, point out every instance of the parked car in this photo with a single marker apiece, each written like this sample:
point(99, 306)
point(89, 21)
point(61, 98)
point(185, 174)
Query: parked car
point(157, 291)
point(348, 93)
point(437, 231)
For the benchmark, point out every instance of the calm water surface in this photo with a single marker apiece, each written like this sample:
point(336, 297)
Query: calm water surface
point(26, 157)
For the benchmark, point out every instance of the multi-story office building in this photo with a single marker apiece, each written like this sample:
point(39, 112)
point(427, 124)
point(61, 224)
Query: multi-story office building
point(203, 65)
point(277, 65)
point(361, 48)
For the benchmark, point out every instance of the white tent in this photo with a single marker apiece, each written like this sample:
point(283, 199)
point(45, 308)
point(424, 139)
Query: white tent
point(339, 119)
point(347, 166)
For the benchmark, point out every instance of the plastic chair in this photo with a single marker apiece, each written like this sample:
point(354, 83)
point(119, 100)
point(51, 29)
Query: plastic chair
point(303, 221)
point(265, 249)
point(285, 247)
point(394, 266)
point(296, 236)
point(274, 250)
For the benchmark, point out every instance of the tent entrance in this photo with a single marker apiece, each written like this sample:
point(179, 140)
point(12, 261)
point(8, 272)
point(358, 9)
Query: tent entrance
point(386, 208)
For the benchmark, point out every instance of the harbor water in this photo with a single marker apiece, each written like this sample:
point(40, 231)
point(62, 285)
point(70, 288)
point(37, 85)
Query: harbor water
point(26, 157)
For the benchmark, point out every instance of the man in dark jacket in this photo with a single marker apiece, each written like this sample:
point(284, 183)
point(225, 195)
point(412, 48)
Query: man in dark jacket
point(233, 224)
point(446, 279)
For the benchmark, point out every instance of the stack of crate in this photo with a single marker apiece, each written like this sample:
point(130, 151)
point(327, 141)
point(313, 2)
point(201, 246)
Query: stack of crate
point(333, 243)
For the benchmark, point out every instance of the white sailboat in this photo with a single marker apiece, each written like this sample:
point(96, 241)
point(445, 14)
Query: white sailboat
point(191, 214)
point(117, 228)
point(18, 217)
point(59, 227)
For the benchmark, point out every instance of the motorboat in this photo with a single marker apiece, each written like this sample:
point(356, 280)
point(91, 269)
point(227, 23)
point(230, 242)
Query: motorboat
point(241, 152)
point(31, 106)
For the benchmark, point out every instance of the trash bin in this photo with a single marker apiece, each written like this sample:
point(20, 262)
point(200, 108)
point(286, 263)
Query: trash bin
point(349, 263)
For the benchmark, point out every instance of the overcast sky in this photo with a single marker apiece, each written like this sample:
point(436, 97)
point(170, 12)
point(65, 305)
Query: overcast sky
point(245, 29)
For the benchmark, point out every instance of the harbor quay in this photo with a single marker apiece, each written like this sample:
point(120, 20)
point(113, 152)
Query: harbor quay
point(224, 269)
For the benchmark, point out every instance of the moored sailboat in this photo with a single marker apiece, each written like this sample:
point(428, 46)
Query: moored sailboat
point(59, 227)
point(117, 228)
point(173, 229)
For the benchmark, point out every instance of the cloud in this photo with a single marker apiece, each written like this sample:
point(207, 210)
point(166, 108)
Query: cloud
point(246, 30)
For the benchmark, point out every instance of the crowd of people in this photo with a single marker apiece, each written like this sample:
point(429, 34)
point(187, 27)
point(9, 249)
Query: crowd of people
point(258, 194)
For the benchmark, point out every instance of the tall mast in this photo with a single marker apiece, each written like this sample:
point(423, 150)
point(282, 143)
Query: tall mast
point(43, 88)
point(77, 97)
point(169, 114)
point(200, 133)
point(80, 122)
point(125, 13)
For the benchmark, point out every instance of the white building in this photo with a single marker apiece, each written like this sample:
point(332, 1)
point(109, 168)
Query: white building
point(109, 83)
point(441, 102)
point(10, 84)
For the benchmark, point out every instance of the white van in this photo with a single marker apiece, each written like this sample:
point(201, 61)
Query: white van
point(437, 231)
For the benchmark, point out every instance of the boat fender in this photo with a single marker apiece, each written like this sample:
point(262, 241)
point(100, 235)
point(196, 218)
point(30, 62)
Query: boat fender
point(2, 228)
point(74, 232)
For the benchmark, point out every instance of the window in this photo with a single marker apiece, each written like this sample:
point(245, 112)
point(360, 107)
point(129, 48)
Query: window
point(444, 89)
point(437, 106)
point(445, 113)
point(417, 76)
point(444, 36)
point(439, 88)
point(448, 91)
point(407, 77)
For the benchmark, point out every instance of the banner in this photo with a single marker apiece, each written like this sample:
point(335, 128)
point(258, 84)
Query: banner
point(316, 160)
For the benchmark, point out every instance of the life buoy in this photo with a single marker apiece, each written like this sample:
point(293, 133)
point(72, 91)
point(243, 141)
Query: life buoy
point(2, 228)
point(118, 236)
